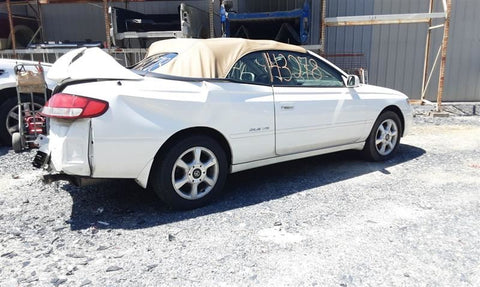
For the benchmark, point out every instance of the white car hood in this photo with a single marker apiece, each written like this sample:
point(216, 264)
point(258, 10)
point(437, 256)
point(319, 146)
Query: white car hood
point(91, 63)
point(380, 90)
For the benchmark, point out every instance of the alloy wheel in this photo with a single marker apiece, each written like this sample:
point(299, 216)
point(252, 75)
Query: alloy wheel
point(195, 173)
point(386, 137)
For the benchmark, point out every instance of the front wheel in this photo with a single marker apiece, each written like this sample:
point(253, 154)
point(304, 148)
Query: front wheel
point(384, 139)
point(190, 173)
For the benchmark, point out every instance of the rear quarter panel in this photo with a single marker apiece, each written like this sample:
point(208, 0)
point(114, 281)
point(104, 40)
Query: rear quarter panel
point(142, 115)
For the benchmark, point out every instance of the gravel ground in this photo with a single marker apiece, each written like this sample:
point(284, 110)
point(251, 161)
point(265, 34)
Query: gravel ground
point(331, 220)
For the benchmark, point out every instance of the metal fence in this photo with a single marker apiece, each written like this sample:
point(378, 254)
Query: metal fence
point(126, 57)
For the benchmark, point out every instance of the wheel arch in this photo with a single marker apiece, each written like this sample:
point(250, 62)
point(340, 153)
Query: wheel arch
point(210, 132)
point(396, 110)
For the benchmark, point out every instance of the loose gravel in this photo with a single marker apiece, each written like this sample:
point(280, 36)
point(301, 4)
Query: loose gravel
point(331, 220)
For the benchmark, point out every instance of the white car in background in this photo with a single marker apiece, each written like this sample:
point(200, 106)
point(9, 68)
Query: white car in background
point(9, 100)
point(195, 110)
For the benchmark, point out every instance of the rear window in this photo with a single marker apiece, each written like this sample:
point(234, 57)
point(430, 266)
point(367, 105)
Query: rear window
point(152, 63)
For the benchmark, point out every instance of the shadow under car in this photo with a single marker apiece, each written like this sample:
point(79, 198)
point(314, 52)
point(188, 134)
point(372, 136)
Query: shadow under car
point(124, 205)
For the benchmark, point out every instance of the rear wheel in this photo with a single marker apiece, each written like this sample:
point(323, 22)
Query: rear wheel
point(384, 138)
point(190, 173)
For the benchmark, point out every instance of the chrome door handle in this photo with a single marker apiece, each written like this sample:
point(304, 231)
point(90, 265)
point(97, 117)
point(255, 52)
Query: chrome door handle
point(286, 107)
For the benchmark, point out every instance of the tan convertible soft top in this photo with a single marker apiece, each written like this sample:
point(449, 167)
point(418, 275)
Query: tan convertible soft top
point(210, 58)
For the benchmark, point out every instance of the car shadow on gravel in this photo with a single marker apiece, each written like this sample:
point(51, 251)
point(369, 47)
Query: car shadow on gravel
point(3, 150)
point(123, 204)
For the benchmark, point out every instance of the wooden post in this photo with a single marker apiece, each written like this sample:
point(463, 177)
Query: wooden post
point(40, 18)
point(427, 53)
point(12, 30)
point(210, 15)
point(441, 81)
point(107, 24)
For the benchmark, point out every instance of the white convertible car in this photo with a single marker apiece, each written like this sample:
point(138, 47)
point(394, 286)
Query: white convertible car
point(195, 110)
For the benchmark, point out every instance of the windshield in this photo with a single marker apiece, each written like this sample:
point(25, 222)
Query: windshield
point(152, 63)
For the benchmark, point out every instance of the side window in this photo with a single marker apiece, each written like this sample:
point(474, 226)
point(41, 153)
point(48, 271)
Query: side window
point(297, 69)
point(251, 68)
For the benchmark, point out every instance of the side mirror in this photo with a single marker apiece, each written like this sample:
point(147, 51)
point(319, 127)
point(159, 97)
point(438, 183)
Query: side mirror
point(352, 81)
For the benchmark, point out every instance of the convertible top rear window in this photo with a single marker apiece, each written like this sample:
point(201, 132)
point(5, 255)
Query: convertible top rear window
point(152, 63)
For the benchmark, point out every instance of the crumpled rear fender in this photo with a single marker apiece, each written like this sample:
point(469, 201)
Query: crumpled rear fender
point(69, 145)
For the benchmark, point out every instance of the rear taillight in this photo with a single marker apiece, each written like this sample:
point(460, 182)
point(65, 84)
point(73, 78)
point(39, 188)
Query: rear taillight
point(67, 106)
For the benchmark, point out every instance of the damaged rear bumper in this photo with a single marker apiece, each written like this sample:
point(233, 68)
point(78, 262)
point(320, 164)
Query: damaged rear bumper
point(65, 152)
point(72, 152)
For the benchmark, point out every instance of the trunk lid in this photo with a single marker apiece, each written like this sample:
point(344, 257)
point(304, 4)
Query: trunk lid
point(88, 64)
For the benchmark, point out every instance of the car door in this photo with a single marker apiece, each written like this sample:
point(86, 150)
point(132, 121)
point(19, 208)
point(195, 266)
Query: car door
point(313, 107)
point(250, 115)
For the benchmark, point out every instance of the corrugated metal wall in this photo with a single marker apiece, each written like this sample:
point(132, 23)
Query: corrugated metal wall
point(397, 51)
point(355, 41)
point(339, 40)
point(393, 54)
point(463, 60)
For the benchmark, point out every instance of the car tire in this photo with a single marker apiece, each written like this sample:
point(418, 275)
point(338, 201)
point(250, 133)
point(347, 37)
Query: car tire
point(384, 139)
point(17, 142)
point(6, 120)
point(190, 173)
point(23, 35)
